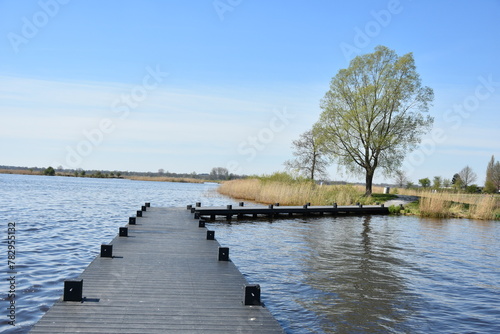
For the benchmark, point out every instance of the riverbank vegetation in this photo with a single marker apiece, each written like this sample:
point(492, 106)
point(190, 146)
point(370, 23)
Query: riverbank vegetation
point(216, 175)
point(287, 190)
point(453, 204)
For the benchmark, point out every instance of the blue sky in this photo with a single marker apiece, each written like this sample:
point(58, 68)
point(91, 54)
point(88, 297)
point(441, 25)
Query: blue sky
point(190, 85)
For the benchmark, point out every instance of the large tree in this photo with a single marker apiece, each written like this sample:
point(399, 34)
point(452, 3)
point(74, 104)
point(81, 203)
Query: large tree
point(489, 185)
point(374, 113)
point(310, 159)
point(467, 176)
point(495, 178)
point(492, 183)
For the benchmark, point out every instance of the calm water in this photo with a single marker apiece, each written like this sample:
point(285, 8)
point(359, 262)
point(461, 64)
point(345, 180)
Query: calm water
point(325, 275)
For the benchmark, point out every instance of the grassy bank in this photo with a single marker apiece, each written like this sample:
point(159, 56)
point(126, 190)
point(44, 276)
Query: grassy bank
point(454, 205)
point(288, 191)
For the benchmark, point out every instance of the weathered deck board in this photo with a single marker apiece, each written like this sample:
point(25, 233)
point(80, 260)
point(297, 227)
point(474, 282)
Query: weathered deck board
point(277, 211)
point(165, 277)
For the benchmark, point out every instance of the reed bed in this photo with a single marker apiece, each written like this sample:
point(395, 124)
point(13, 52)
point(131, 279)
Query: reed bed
point(447, 205)
point(287, 191)
point(291, 193)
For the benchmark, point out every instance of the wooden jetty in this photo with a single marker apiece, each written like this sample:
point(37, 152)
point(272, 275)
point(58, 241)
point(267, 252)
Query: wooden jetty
point(163, 273)
point(276, 211)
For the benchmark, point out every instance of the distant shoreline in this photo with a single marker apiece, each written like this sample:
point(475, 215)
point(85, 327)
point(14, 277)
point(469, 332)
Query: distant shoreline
point(107, 176)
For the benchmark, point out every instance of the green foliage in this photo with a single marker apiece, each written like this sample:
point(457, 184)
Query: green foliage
point(374, 113)
point(472, 189)
point(49, 171)
point(395, 210)
point(425, 182)
point(283, 177)
point(489, 187)
point(437, 182)
point(456, 181)
point(381, 198)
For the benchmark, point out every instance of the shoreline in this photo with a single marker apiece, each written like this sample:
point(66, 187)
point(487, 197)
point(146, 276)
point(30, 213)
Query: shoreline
point(107, 176)
point(421, 204)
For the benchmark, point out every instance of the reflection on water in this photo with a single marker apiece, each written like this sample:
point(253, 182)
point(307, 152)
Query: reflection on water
point(374, 274)
point(357, 269)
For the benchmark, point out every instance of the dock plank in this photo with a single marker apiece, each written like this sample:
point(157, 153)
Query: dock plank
point(277, 211)
point(164, 277)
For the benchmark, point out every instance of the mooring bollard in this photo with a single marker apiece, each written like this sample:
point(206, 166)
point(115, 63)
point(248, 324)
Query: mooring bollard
point(271, 206)
point(139, 213)
point(148, 205)
point(143, 208)
point(73, 291)
point(210, 235)
point(251, 294)
point(276, 204)
point(201, 223)
point(360, 205)
point(193, 210)
point(131, 220)
point(198, 204)
point(106, 250)
point(229, 207)
point(304, 206)
point(123, 232)
point(242, 204)
point(382, 205)
point(223, 254)
point(308, 204)
point(189, 206)
point(196, 215)
point(335, 205)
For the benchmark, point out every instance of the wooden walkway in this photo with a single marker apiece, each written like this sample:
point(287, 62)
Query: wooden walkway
point(164, 277)
point(276, 211)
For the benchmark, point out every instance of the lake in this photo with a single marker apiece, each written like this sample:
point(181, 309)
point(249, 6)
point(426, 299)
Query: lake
point(368, 274)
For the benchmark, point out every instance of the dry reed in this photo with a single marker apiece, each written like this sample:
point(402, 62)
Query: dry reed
point(447, 204)
point(296, 193)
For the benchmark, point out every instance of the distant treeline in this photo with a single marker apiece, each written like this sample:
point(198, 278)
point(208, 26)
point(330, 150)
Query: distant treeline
point(215, 174)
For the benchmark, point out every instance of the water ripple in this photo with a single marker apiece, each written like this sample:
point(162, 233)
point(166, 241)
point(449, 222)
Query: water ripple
point(61, 223)
point(372, 274)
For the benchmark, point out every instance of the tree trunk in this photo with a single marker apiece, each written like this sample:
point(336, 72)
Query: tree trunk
point(369, 181)
point(313, 167)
